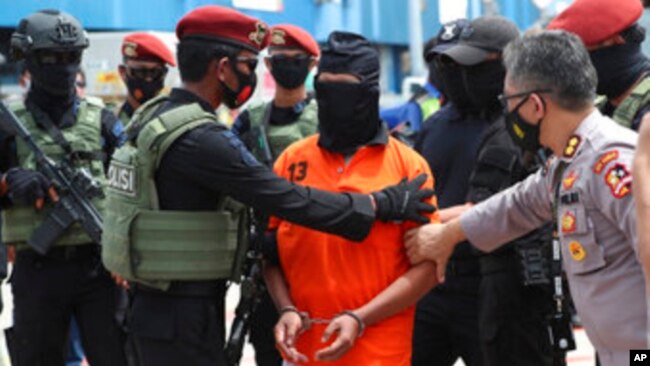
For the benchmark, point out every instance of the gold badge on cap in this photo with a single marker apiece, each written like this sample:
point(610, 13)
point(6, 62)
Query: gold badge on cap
point(577, 251)
point(259, 33)
point(130, 49)
point(572, 146)
point(277, 37)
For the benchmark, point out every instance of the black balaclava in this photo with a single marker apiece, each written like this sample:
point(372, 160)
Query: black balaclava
point(618, 67)
point(52, 87)
point(348, 113)
point(484, 83)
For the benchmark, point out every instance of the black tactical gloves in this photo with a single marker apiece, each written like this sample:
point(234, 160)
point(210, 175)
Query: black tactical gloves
point(27, 186)
point(403, 201)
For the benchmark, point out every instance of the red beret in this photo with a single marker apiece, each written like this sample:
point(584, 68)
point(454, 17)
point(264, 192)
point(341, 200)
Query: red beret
point(595, 21)
point(220, 24)
point(290, 36)
point(145, 46)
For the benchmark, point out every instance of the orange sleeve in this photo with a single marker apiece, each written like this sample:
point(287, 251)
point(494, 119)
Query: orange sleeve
point(279, 167)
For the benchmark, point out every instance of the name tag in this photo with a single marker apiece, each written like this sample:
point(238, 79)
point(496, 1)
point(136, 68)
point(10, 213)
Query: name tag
point(569, 198)
point(121, 177)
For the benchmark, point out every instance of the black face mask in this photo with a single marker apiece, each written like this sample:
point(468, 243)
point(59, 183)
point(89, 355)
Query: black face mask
point(290, 72)
point(55, 79)
point(618, 68)
point(143, 90)
point(484, 83)
point(235, 98)
point(348, 115)
point(524, 134)
point(453, 87)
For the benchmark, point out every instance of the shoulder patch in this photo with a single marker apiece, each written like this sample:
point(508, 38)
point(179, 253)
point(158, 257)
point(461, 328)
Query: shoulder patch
point(605, 159)
point(619, 180)
point(237, 144)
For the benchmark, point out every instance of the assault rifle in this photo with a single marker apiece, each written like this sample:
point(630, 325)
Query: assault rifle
point(252, 286)
point(75, 187)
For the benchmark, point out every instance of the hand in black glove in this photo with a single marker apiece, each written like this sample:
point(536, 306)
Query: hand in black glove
point(403, 201)
point(28, 187)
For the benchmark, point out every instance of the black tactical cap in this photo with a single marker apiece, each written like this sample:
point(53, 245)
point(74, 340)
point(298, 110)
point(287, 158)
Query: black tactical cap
point(448, 36)
point(483, 36)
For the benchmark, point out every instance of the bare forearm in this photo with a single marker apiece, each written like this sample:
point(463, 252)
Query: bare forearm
point(450, 213)
point(641, 191)
point(277, 286)
point(402, 293)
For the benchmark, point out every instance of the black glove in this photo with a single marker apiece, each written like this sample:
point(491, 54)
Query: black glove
point(403, 201)
point(26, 186)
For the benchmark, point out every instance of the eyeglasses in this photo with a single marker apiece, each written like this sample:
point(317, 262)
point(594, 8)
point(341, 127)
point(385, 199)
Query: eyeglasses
point(151, 73)
point(250, 61)
point(47, 57)
point(503, 99)
point(80, 84)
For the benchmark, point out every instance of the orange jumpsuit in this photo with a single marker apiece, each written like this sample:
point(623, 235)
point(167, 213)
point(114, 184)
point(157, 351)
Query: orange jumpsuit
point(327, 274)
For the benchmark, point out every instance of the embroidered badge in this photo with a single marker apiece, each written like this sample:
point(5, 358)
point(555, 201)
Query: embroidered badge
point(619, 180)
point(605, 159)
point(122, 178)
point(572, 146)
point(277, 37)
point(130, 49)
point(259, 33)
point(569, 180)
point(577, 251)
point(569, 222)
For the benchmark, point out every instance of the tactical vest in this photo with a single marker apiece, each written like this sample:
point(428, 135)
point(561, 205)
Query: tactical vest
point(279, 137)
point(151, 246)
point(84, 137)
point(627, 111)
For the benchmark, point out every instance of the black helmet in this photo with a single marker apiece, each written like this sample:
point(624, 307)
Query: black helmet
point(48, 29)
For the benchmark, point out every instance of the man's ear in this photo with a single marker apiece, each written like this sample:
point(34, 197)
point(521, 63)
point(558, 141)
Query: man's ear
point(121, 69)
point(220, 67)
point(267, 63)
point(540, 105)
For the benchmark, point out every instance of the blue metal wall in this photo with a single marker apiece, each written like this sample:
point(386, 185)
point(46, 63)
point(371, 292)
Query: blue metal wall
point(382, 21)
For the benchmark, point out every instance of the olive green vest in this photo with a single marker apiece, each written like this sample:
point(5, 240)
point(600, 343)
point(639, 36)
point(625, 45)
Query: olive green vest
point(281, 136)
point(142, 243)
point(627, 111)
point(19, 221)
